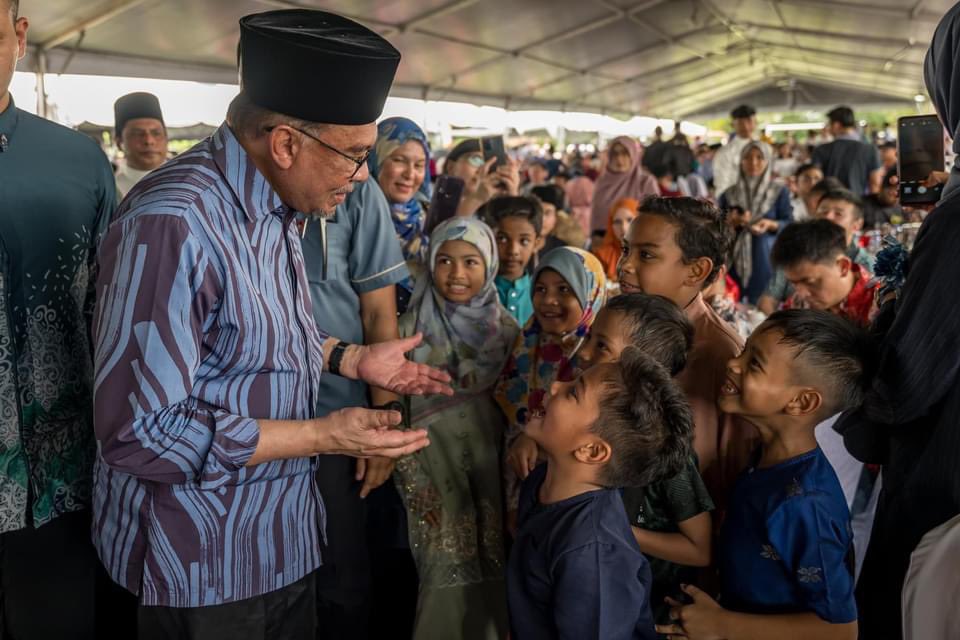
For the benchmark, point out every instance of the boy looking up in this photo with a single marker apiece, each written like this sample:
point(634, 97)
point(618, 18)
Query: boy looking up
point(517, 223)
point(813, 256)
point(575, 570)
point(785, 547)
point(674, 248)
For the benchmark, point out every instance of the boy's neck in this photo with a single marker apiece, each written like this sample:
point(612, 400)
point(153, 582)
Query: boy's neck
point(685, 297)
point(782, 442)
point(511, 278)
point(564, 481)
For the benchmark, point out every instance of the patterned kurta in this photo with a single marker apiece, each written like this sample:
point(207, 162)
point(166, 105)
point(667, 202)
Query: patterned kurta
point(203, 326)
point(56, 198)
point(786, 544)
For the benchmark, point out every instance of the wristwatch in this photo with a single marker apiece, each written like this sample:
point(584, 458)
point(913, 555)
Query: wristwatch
point(336, 357)
point(400, 407)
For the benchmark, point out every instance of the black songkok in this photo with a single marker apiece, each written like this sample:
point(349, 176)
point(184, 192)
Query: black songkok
point(133, 106)
point(315, 66)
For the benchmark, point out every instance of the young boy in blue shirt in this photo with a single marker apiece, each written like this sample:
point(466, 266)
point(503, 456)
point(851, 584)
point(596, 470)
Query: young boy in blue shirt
point(575, 570)
point(785, 552)
point(517, 223)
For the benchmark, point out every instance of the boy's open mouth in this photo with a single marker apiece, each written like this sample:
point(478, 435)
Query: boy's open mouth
point(729, 388)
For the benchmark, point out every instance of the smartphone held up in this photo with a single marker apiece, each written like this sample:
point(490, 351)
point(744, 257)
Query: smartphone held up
point(920, 152)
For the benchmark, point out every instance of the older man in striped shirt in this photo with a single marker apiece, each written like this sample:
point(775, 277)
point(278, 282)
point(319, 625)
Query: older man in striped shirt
point(207, 355)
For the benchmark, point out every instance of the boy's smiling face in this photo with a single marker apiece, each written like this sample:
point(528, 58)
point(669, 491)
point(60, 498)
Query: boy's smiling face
point(517, 241)
point(606, 341)
point(652, 261)
point(570, 412)
point(761, 382)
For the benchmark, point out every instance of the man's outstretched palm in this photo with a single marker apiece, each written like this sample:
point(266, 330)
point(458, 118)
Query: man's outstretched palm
point(385, 365)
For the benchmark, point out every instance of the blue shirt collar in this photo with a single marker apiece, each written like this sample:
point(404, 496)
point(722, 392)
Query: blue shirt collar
point(251, 188)
point(523, 282)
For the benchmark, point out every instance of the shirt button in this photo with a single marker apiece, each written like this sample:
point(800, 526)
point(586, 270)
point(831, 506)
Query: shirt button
point(513, 294)
point(463, 414)
point(512, 308)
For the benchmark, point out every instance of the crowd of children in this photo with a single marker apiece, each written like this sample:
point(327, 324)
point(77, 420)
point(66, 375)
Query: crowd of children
point(623, 466)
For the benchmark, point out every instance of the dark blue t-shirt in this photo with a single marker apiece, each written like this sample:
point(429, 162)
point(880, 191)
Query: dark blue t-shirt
point(575, 570)
point(786, 543)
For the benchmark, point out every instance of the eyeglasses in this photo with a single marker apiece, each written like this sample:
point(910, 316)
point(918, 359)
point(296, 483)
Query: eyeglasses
point(362, 160)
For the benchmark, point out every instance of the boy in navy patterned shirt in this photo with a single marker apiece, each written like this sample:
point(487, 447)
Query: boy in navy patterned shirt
point(575, 570)
point(785, 552)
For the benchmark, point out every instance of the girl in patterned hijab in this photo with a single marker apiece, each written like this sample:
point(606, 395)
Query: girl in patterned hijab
point(404, 177)
point(452, 488)
point(569, 290)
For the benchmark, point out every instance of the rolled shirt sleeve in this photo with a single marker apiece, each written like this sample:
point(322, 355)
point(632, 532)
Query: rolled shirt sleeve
point(376, 260)
point(157, 299)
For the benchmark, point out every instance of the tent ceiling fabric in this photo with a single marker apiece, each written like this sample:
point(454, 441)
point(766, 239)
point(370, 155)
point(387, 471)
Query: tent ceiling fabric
point(666, 58)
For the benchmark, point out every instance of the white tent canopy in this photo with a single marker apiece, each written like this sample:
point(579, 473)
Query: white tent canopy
point(660, 58)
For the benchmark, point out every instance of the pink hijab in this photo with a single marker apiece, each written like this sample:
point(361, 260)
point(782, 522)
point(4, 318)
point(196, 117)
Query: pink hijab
point(633, 183)
point(580, 198)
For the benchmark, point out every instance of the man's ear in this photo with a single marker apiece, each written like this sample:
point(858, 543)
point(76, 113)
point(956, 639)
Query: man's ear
point(284, 146)
point(806, 402)
point(698, 271)
point(594, 451)
point(20, 28)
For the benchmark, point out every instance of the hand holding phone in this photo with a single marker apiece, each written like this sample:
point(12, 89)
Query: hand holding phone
point(493, 147)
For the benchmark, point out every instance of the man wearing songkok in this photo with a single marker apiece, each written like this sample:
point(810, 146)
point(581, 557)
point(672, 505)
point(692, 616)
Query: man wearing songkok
point(208, 356)
point(142, 136)
point(56, 197)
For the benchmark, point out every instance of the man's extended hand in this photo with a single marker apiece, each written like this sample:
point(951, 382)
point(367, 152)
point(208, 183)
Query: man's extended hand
point(365, 433)
point(385, 365)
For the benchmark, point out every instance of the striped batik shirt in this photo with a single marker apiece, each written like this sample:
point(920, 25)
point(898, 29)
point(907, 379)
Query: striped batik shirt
point(203, 326)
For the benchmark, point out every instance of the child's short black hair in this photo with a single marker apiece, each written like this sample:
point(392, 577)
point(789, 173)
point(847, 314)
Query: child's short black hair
point(513, 207)
point(811, 240)
point(702, 231)
point(845, 195)
point(549, 194)
point(839, 354)
point(802, 169)
point(827, 184)
point(656, 326)
point(646, 420)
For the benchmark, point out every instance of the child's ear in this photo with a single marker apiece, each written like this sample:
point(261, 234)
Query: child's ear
point(538, 245)
point(806, 402)
point(845, 264)
point(596, 451)
point(697, 272)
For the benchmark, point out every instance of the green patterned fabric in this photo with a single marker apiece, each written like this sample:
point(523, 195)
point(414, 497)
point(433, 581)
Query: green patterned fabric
point(58, 195)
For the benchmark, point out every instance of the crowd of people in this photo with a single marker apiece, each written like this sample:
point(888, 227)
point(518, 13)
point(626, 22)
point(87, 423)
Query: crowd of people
point(261, 390)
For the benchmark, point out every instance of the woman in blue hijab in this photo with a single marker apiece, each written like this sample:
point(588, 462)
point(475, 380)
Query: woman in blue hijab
point(400, 163)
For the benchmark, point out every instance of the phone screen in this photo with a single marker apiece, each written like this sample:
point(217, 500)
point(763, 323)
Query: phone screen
point(447, 191)
point(919, 153)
